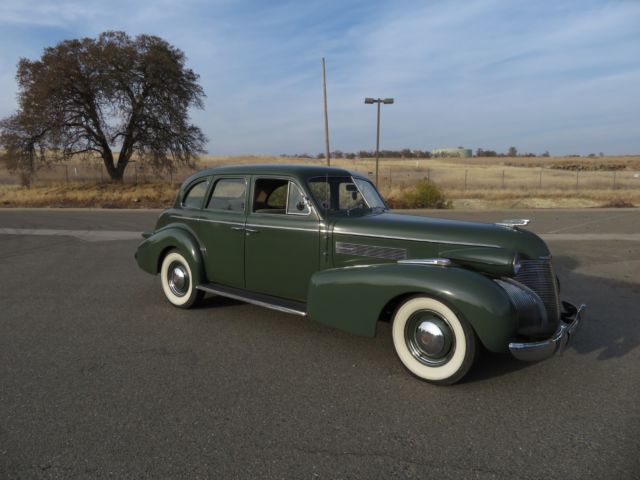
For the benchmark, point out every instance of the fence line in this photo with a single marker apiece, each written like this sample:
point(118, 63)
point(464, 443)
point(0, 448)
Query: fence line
point(95, 173)
point(392, 176)
point(521, 178)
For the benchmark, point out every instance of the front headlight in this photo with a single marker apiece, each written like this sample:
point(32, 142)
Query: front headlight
point(517, 263)
point(498, 262)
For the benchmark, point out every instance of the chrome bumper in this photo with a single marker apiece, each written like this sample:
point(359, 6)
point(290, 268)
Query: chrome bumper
point(535, 351)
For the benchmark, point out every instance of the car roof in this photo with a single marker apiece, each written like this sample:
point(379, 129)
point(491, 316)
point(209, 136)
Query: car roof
point(301, 172)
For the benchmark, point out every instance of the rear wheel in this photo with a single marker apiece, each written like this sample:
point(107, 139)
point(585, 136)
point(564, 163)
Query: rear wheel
point(177, 281)
point(432, 341)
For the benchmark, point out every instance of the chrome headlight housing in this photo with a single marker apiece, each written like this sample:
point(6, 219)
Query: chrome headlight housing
point(517, 263)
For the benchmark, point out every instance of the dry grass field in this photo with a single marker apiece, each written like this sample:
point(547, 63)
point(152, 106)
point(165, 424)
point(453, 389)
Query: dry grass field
point(487, 182)
point(100, 195)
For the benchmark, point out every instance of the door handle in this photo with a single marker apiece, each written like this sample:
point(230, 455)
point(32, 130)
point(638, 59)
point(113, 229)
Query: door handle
point(237, 229)
point(251, 230)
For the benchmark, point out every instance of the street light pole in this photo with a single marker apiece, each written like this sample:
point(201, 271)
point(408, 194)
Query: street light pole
point(378, 143)
point(387, 101)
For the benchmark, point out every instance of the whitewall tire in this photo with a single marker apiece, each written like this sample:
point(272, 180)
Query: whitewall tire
point(177, 281)
point(432, 341)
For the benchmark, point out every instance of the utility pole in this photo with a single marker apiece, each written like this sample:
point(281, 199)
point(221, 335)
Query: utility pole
point(326, 115)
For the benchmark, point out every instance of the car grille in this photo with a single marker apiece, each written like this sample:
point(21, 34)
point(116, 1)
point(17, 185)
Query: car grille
point(539, 276)
point(532, 314)
point(360, 250)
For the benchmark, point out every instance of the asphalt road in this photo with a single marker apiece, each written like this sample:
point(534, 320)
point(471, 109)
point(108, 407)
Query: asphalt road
point(101, 377)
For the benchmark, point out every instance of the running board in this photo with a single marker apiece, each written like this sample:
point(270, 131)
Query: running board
point(260, 299)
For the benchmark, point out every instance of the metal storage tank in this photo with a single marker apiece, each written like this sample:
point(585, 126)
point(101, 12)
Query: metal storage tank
point(452, 152)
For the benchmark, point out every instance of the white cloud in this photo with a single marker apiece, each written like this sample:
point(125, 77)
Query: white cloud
point(45, 12)
point(485, 73)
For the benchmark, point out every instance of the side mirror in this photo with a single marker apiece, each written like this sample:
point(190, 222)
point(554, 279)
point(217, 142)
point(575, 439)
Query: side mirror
point(303, 204)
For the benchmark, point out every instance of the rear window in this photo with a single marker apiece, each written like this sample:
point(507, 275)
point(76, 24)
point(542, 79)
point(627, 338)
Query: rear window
point(195, 195)
point(228, 194)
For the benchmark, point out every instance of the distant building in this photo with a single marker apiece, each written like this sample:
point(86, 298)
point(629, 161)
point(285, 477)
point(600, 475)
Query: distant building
point(460, 152)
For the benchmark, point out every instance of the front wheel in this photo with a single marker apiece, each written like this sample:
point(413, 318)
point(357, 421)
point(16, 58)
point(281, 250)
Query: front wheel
point(432, 341)
point(177, 281)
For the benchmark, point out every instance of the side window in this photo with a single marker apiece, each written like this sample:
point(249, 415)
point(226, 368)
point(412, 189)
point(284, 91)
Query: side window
point(228, 194)
point(321, 191)
point(270, 195)
point(194, 197)
point(296, 203)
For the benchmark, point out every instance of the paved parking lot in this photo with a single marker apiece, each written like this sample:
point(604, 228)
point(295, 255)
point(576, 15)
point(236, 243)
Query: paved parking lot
point(101, 377)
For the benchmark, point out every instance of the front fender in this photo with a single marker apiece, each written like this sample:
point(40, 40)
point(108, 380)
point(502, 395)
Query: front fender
point(151, 251)
point(352, 298)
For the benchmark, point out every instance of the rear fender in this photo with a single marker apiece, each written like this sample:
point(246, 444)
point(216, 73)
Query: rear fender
point(353, 298)
point(151, 251)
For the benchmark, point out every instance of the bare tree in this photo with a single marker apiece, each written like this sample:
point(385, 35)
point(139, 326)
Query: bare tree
point(115, 96)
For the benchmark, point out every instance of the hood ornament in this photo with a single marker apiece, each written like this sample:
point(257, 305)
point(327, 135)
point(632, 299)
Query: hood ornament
point(513, 223)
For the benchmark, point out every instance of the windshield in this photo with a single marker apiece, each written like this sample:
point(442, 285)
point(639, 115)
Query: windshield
point(345, 194)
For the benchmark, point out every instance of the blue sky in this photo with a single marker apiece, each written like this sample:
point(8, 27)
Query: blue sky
point(561, 75)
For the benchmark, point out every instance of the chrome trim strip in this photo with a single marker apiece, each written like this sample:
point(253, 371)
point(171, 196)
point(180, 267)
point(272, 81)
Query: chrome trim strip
point(440, 262)
point(299, 214)
point(278, 227)
point(391, 237)
point(535, 351)
point(185, 218)
point(253, 301)
point(224, 222)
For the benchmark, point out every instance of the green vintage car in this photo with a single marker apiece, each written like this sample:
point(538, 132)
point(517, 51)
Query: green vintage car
point(320, 242)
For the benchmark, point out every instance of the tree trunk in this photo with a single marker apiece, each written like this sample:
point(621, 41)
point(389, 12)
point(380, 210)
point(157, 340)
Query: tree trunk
point(125, 152)
point(115, 173)
point(122, 165)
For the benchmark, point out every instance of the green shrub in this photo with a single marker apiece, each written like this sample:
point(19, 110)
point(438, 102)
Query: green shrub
point(424, 194)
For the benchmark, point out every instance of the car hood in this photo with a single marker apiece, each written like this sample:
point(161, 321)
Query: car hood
point(448, 234)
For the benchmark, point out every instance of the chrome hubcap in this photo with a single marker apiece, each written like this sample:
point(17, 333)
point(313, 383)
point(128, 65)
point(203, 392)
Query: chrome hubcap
point(178, 279)
point(429, 338)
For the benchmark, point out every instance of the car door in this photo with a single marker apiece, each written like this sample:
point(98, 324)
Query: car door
point(282, 239)
point(222, 230)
